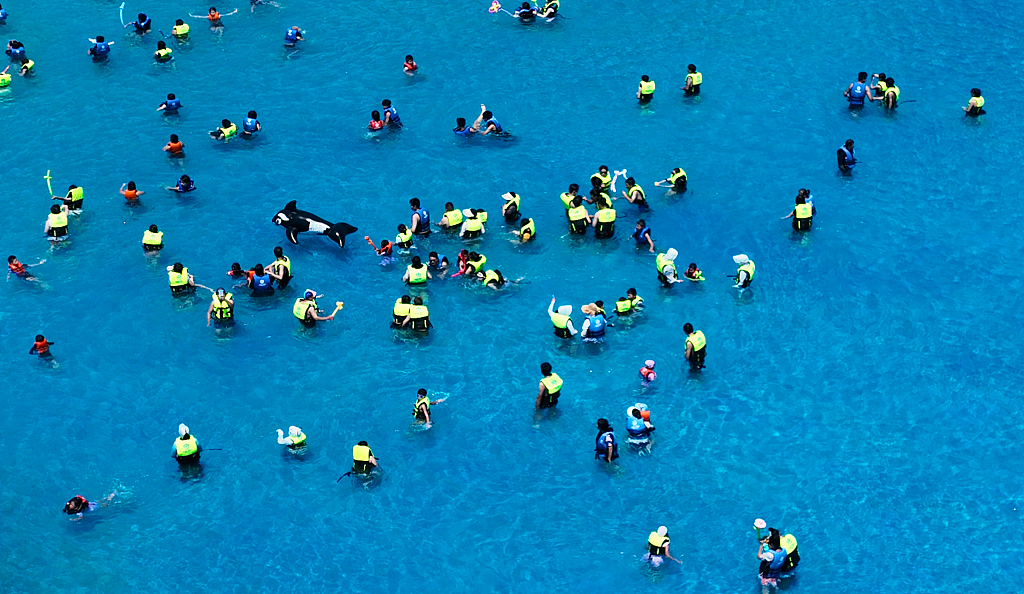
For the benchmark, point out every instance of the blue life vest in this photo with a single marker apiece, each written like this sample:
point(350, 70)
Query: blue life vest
point(494, 122)
point(440, 262)
point(601, 448)
point(857, 93)
point(775, 569)
point(850, 160)
point(596, 329)
point(172, 105)
point(144, 26)
point(639, 236)
point(249, 124)
point(191, 186)
point(3, 13)
point(424, 219)
point(261, 283)
point(291, 36)
point(636, 427)
point(17, 53)
point(467, 131)
point(394, 115)
point(101, 49)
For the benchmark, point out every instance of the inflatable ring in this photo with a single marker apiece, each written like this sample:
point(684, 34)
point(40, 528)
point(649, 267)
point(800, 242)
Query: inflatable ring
point(495, 7)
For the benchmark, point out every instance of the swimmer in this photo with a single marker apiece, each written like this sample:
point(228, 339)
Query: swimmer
point(5, 79)
point(693, 273)
point(77, 506)
point(460, 128)
point(568, 197)
point(597, 191)
point(463, 261)
point(250, 125)
point(891, 97)
point(803, 213)
point(293, 36)
point(253, 3)
point(657, 547)
point(438, 263)
point(472, 224)
point(419, 317)
point(404, 238)
point(306, 310)
point(15, 49)
point(696, 347)
point(401, 310)
point(634, 194)
point(281, 268)
point(490, 125)
point(856, 92)
point(605, 447)
point(56, 226)
point(745, 273)
point(642, 235)
point(693, 80)
point(773, 558)
point(152, 239)
point(20, 270)
point(491, 278)
point(525, 13)
point(172, 105)
point(186, 447)
point(100, 48)
point(631, 303)
point(560, 320)
point(179, 279)
point(180, 30)
point(647, 374)
point(594, 325)
point(604, 177)
point(142, 24)
point(41, 347)
point(130, 192)
point(410, 66)
point(452, 217)
point(645, 92)
point(549, 389)
point(391, 118)
point(222, 308)
point(226, 130)
point(604, 219)
point(385, 252)
point(878, 84)
point(73, 199)
point(3, 15)
point(638, 420)
point(213, 17)
point(846, 157)
point(26, 66)
point(549, 10)
point(666, 264)
point(236, 271)
point(174, 148)
point(375, 122)
point(510, 209)
point(162, 53)
point(261, 282)
point(474, 263)
point(296, 438)
point(974, 104)
point(420, 224)
point(363, 461)
point(579, 218)
point(676, 180)
point(421, 410)
point(185, 184)
point(416, 273)
point(527, 231)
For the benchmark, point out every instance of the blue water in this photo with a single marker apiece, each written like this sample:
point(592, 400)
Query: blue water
point(861, 394)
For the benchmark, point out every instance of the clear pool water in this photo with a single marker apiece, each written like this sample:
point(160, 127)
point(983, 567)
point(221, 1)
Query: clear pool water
point(861, 395)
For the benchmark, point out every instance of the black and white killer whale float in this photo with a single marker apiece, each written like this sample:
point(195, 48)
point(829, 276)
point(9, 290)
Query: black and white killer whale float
point(297, 221)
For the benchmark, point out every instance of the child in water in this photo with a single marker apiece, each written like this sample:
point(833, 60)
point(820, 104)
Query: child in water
point(410, 66)
point(693, 273)
point(375, 122)
point(385, 252)
point(41, 347)
point(130, 192)
point(647, 373)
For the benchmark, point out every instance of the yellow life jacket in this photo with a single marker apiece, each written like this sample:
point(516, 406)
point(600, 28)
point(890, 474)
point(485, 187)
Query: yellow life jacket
point(404, 238)
point(301, 308)
point(528, 232)
point(490, 276)
point(567, 199)
point(477, 264)
point(474, 224)
point(606, 179)
point(298, 440)
point(284, 261)
point(452, 217)
point(186, 447)
point(696, 340)
point(748, 268)
point(606, 215)
point(677, 173)
point(893, 89)
point(401, 309)
point(695, 78)
point(578, 213)
point(229, 131)
point(58, 220)
point(417, 275)
point(222, 310)
point(552, 383)
point(513, 201)
point(979, 101)
point(422, 400)
point(656, 543)
point(559, 320)
point(623, 305)
point(28, 66)
point(636, 301)
point(789, 543)
point(662, 262)
point(647, 87)
point(150, 238)
point(637, 188)
point(803, 211)
point(361, 453)
point(5, 80)
point(178, 279)
point(163, 54)
point(179, 30)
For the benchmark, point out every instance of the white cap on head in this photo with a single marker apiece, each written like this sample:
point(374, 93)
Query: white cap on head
point(769, 556)
point(565, 310)
point(649, 363)
point(671, 253)
point(508, 195)
point(468, 213)
point(629, 411)
point(182, 429)
point(740, 259)
point(294, 431)
point(662, 530)
point(640, 406)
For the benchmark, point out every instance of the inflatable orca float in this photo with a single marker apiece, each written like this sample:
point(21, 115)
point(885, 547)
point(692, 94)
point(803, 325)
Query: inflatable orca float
point(297, 221)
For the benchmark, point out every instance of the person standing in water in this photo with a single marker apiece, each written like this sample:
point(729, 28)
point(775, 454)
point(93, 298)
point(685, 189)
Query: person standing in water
point(975, 104)
point(846, 157)
point(186, 447)
point(605, 447)
point(549, 389)
point(857, 91)
point(296, 438)
point(421, 410)
point(657, 547)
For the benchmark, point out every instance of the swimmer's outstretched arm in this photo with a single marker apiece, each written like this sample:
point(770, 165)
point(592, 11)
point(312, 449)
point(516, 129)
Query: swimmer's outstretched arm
point(790, 215)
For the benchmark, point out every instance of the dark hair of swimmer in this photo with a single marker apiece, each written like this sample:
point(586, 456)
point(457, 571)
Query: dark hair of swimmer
point(252, 114)
point(889, 81)
point(449, 206)
point(258, 269)
point(225, 123)
point(55, 209)
point(433, 255)
point(488, 115)
point(800, 199)
point(142, 17)
point(177, 267)
point(603, 169)
point(99, 39)
point(408, 58)
point(630, 182)
point(635, 412)
point(402, 228)
point(170, 95)
point(460, 122)
point(881, 76)
point(363, 443)
point(599, 304)
point(545, 368)
point(577, 201)
point(422, 391)
point(631, 291)
point(40, 338)
point(385, 103)
point(525, 6)
point(862, 76)
point(11, 258)
point(161, 45)
point(384, 243)
point(573, 188)
point(174, 138)
point(596, 182)
point(406, 299)
point(691, 68)
point(131, 185)
point(416, 262)
point(975, 92)
point(688, 327)
point(602, 425)
point(640, 224)
point(179, 22)
point(186, 180)
point(235, 266)
point(278, 252)
point(417, 301)
point(153, 229)
point(645, 78)
point(415, 203)
point(524, 222)
point(375, 115)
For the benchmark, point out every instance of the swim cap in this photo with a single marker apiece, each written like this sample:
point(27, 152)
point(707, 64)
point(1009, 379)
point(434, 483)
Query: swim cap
point(662, 530)
point(183, 429)
point(294, 431)
point(649, 363)
point(309, 293)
